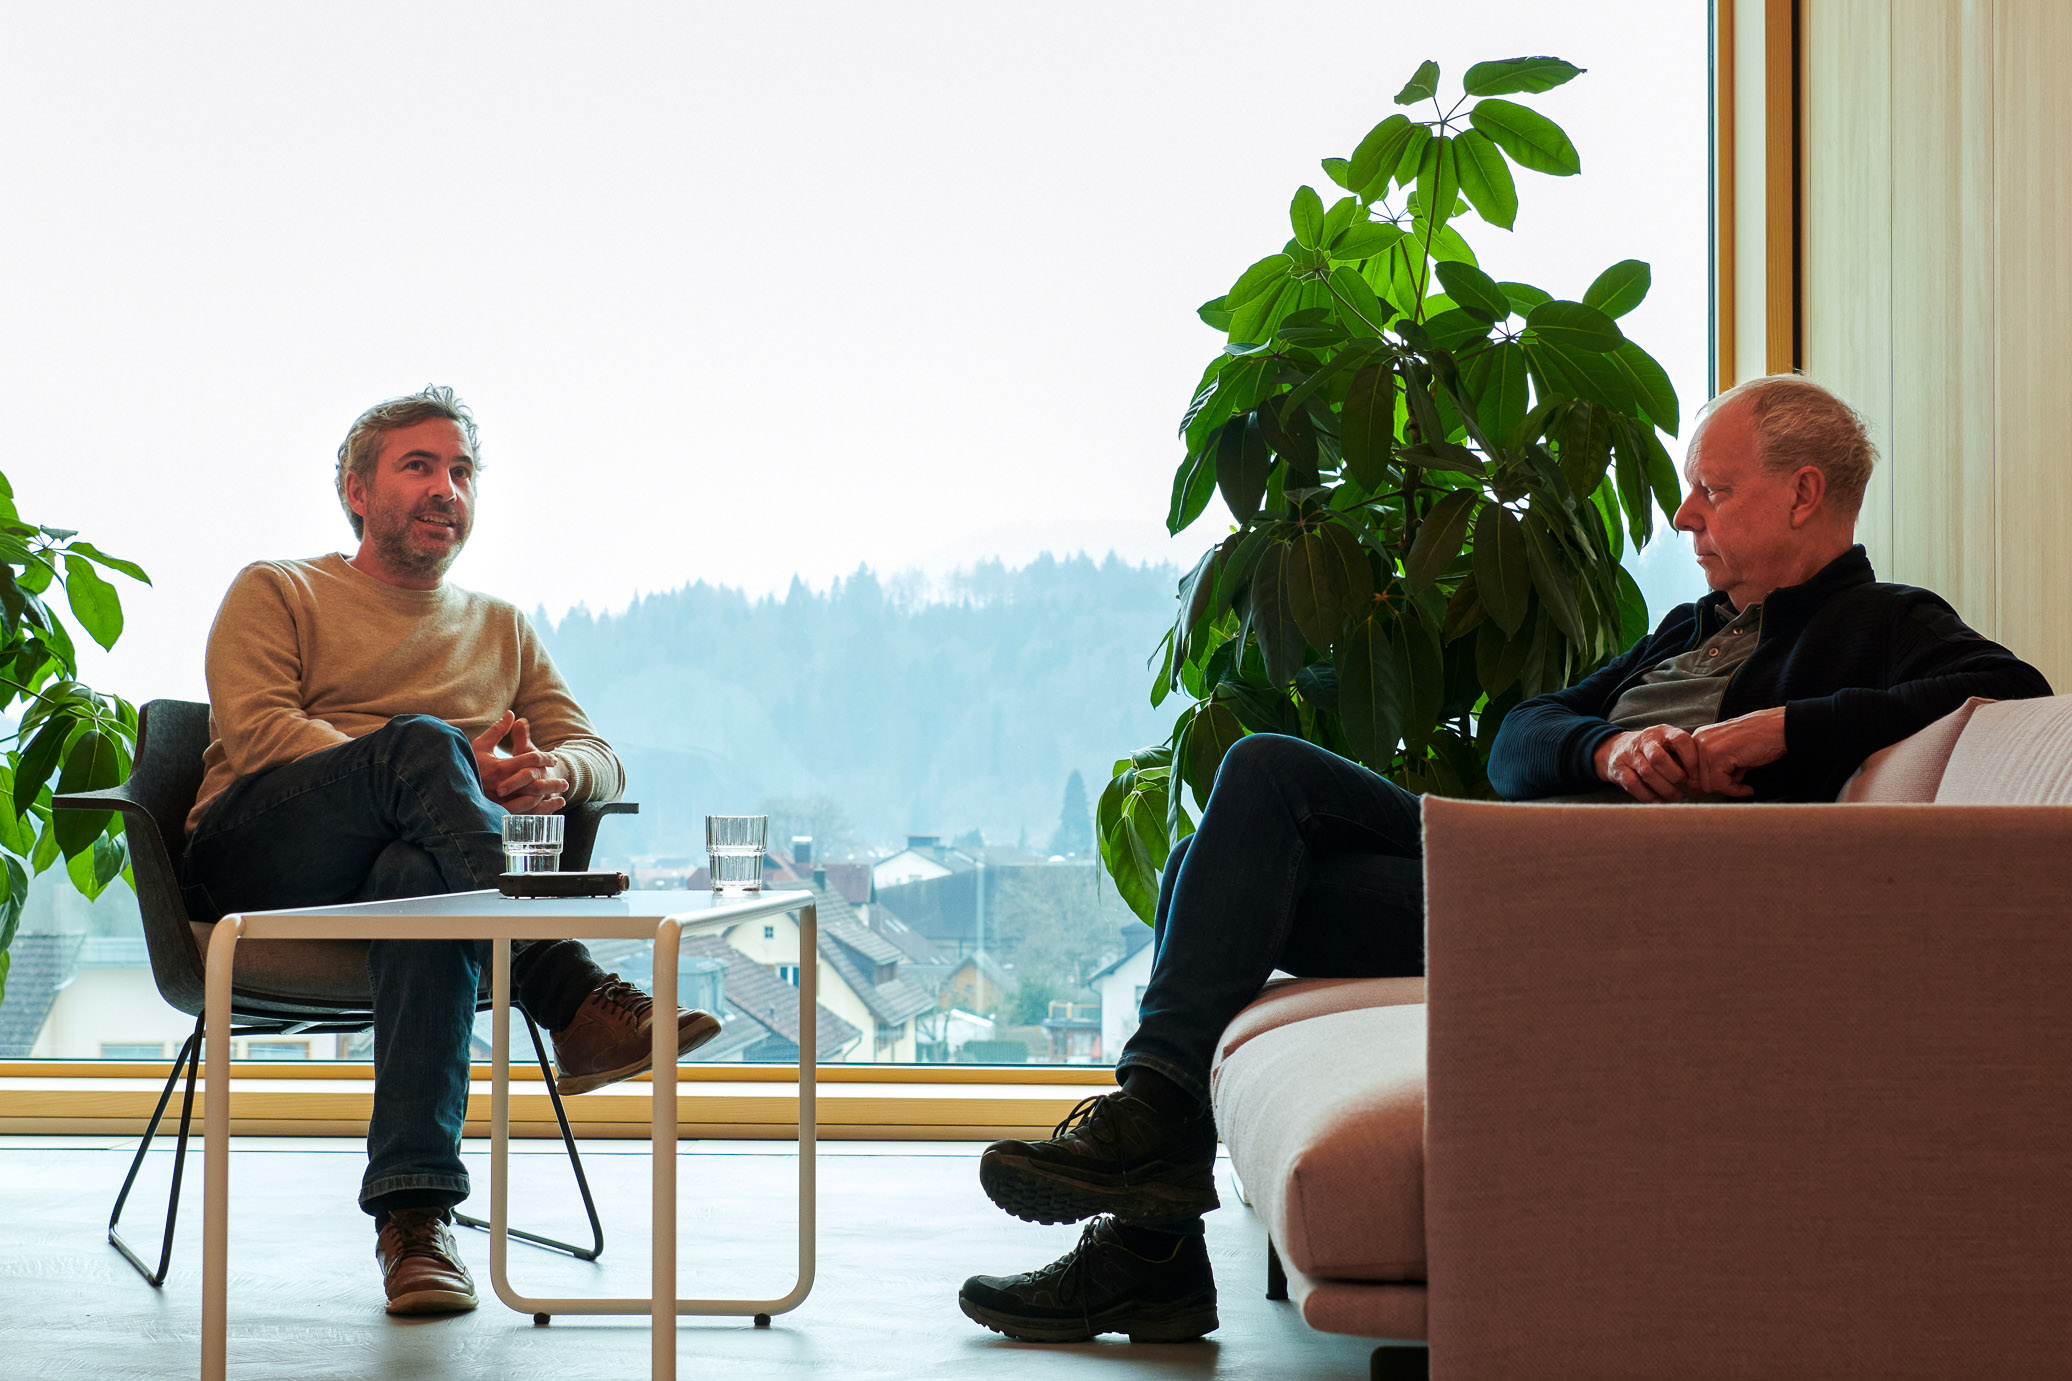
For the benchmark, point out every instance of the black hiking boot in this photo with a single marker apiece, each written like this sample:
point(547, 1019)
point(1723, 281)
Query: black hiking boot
point(1101, 1286)
point(1112, 1154)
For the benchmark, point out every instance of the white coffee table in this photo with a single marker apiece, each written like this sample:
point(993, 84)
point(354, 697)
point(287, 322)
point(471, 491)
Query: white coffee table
point(661, 916)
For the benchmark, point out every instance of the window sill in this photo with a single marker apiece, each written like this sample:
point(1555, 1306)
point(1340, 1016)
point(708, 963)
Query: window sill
point(875, 1103)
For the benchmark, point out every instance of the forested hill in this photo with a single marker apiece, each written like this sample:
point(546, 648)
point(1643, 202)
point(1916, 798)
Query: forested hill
point(940, 710)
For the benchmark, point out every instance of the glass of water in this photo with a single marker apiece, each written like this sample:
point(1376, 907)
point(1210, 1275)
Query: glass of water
point(532, 843)
point(734, 844)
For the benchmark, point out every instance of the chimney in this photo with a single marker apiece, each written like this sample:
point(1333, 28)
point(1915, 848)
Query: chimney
point(819, 878)
point(923, 841)
point(802, 848)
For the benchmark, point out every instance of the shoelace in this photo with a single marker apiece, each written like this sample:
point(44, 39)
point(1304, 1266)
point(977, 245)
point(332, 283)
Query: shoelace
point(1073, 1267)
point(424, 1239)
point(615, 992)
point(1085, 1115)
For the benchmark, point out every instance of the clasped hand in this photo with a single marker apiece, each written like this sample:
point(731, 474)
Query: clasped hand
point(1665, 763)
point(527, 780)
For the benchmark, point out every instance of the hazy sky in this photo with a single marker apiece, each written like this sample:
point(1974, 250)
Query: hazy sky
point(736, 293)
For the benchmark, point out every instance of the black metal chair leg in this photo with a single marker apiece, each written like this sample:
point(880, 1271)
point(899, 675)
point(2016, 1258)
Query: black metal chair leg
point(190, 1056)
point(1400, 1362)
point(1276, 1274)
point(575, 1160)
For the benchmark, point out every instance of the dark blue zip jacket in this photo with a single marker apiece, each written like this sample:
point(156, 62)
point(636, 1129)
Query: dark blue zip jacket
point(1856, 663)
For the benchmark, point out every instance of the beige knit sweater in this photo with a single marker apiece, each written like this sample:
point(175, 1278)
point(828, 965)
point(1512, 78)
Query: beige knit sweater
point(306, 655)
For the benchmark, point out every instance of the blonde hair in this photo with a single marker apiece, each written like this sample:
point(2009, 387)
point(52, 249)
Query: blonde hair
point(1798, 422)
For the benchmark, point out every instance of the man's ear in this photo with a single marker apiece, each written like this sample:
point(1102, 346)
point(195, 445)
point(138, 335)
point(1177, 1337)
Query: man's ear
point(355, 493)
point(1809, 487)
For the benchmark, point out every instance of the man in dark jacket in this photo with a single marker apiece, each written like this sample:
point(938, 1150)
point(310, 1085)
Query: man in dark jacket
point(1774, 687)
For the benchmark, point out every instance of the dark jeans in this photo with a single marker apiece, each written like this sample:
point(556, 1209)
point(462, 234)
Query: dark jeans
point(398, 813)
point(1304, 862)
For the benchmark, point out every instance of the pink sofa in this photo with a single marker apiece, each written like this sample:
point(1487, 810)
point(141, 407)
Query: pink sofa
point(1707, 1091)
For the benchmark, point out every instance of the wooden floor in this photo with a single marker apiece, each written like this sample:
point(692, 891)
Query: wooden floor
point(901, 1225)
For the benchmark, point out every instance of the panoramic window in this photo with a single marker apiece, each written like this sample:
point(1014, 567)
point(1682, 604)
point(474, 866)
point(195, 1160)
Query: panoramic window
point(829, 363)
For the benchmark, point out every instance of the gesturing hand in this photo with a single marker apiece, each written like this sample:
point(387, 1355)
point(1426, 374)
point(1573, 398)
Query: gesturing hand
point(1655, 764)
point(529, 781)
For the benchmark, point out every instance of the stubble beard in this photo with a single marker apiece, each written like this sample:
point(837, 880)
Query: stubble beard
point(396, 551)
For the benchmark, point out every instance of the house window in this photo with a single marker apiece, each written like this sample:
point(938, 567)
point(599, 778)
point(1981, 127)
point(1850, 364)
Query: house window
point(789, 973)
point(145, 1050)
point(276, 1050)
point(769, 932)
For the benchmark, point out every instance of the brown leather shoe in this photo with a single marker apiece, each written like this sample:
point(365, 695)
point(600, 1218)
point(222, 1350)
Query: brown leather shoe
point(420, 1267)
point(611, 1037)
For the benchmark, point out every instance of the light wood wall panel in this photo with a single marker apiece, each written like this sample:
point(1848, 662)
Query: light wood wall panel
point(2032, 210)
point(1937, 291)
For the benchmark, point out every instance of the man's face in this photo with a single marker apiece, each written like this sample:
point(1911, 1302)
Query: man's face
point(1738, 513)
point(419, 506)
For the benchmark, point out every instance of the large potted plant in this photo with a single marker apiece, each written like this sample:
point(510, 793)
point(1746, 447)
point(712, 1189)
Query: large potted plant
point(1431, 476)
point(68, 733)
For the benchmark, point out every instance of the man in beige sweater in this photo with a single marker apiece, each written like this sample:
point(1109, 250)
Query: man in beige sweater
point(371, 726)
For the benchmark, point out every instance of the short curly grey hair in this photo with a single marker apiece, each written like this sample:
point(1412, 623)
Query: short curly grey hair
point(362, 444)
point(1798, 422)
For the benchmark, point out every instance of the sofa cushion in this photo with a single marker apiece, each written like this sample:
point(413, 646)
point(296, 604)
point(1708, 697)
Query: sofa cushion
point(1287, 1000)
point(2012, 753)
point(1909, 771)
point(1324, 1119)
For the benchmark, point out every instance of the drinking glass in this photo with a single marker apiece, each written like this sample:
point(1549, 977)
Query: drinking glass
point(532, 843)
point(734, 844)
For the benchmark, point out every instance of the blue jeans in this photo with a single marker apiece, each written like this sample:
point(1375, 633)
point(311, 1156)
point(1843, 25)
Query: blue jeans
point(397, 813)
point(1304, 862)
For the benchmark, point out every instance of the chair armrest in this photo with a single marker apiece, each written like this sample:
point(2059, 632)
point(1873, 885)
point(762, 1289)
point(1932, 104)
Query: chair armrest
point(579, 835)
point(1748, 1090)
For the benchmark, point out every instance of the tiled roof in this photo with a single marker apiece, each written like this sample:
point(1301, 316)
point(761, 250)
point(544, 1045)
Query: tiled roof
point(916, 947)
point(39, 965)
point(853, 950)
point(761, 996)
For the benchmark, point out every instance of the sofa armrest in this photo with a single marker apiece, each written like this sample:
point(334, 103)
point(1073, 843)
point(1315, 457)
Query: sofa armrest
point(1748, 1090)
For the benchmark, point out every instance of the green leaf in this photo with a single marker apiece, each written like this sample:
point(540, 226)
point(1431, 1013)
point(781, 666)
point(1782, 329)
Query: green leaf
point(1340, 172)
point(1362, 312)
point(1485, 178)
point(1633, 611)
point(1378, 155)
point(1518, 74)
point(1524, 296)
point(1497, 380)
point(1499, 657)
point(1368, 426)
point(1438, 181)
point(1439, 538)
point(1316, 589)
point(1273, 617)
point(1210, 735)
point(92, 762)
point(46, 851)
point(1551, 578)
point(1472, 290)
point(94, 601)
point(1620, 288)
point(1501, 576)
point(1421, 87)
point(1574, 326)
point(1365, 240)
point(1215, 313)
point(1241, 465)
point(1650, 385)
point(1134, 838)
point(1370, 693)
point(1306, 214)
point(1530, 138)
point(1193, 483)
point(1337, 221)
point(1256, 281)
point(1583, 374)
point(1412, 158)
point(1661, 472)
point(1453, 329)
point(113, 563)
point(39, 760)
point(1424, 678)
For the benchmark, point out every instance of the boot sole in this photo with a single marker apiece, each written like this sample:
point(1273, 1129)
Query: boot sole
point(1038, 1194)
point(699, 1033)
point(1184, 1322)
point(431, 1302)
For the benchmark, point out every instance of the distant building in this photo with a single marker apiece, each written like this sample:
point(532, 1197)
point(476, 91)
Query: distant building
point(1121, 986)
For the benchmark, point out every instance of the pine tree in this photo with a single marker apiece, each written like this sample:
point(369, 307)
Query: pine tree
point(1075, 833)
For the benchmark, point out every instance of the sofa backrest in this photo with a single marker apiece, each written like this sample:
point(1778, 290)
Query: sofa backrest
point(1983, 753)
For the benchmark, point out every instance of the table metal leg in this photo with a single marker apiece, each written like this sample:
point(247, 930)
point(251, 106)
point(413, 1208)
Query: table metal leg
point(662, 1287)
point(500, 1121)
point(215, 1118)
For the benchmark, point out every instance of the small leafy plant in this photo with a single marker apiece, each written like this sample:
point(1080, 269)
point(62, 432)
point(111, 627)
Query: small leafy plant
point(68, 732)
point(1431, 476)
